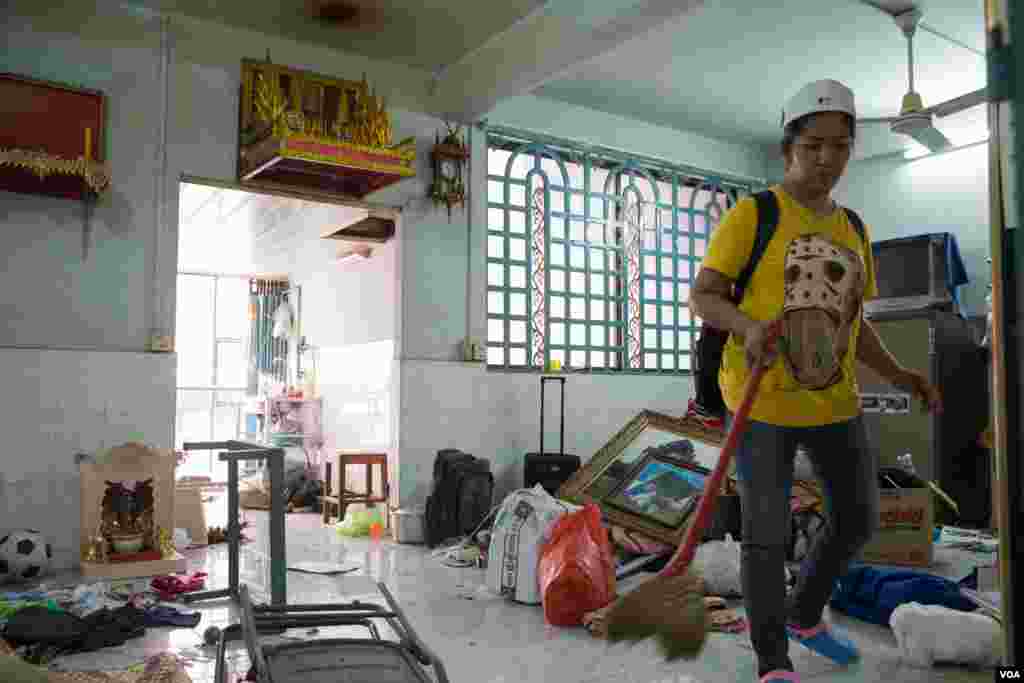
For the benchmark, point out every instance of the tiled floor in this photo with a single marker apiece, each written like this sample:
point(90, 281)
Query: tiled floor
point(479, 637)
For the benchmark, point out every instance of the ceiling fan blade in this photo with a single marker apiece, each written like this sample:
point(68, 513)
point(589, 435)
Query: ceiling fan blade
point(957, 104)
point(879, 119)
point(930, 137)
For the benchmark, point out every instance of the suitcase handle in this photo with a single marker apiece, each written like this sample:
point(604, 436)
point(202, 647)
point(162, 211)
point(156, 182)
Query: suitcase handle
point(561, 430)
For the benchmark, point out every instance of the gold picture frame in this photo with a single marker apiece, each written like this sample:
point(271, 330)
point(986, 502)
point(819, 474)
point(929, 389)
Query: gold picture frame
point(648, 436)
point(661, 489)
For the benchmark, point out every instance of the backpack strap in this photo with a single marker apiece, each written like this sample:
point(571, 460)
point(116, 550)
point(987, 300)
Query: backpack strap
point(858, 224)
point(767, 220)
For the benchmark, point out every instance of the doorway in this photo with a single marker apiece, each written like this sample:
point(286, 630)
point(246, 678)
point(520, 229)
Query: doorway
point(284, 332)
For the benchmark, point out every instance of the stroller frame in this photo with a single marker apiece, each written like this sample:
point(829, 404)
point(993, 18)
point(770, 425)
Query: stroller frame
point(328, 656)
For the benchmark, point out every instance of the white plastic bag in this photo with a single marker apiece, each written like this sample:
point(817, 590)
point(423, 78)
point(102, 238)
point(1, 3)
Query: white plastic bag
point(181, 539)
point(928, 634)
point(284, 320)
point(719, 563)
point(521, 528)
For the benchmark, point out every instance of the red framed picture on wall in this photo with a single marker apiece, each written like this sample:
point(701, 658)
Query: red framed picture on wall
point(51, 138)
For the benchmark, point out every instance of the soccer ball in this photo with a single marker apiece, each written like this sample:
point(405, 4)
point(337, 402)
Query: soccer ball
point(24, 555)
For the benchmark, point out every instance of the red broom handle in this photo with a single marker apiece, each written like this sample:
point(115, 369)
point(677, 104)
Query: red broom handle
point(713, 486)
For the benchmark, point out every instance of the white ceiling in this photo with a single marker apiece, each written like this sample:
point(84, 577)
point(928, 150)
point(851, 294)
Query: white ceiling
point(722, 68)
point(423, 33)
point(232, 231)
point(726, 70)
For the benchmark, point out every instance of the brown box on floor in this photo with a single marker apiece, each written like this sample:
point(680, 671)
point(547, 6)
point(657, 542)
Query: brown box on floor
point(189, 513)
point(906, 520)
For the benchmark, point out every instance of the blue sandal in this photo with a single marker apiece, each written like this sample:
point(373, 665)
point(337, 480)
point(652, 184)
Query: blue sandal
point(825, 642)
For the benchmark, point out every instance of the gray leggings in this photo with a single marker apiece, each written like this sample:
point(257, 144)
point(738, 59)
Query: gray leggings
point(847, 467)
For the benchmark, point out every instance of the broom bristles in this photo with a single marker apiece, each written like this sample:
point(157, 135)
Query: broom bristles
point(670, 608)
point(671, 605)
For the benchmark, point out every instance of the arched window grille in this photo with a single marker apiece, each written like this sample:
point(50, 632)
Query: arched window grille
point(591, 255)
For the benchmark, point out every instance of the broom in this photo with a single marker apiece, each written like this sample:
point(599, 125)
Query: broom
point(671, 605)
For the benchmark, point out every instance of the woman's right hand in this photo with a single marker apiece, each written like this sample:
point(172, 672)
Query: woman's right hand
point(761, 350)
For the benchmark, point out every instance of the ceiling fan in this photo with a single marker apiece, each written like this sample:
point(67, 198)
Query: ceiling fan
point(915, 120)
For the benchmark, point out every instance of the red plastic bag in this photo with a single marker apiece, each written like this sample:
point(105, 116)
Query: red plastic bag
point(576, 571)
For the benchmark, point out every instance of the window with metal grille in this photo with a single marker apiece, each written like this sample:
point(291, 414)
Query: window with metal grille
point(591, 255)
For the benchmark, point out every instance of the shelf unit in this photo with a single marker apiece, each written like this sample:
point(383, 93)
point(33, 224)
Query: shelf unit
point(306, 412)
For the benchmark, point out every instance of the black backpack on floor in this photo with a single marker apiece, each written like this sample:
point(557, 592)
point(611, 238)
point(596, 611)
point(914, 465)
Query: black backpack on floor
point(460, 498)
point(711, 343)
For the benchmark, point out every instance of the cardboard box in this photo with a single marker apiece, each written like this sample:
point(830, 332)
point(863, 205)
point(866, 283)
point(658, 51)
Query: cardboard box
point(906, 523)
point(189, 512)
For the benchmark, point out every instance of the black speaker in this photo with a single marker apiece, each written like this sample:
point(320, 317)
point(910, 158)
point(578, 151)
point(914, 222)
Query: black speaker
point(943, 347)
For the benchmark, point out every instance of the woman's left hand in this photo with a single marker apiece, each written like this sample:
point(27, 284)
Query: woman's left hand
point(918, 385)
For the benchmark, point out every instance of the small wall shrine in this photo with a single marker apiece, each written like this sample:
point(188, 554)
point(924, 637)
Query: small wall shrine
point(127, 513)
point(306, 131)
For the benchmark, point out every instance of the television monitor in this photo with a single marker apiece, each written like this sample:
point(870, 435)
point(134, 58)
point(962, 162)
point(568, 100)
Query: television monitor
point(911, 274)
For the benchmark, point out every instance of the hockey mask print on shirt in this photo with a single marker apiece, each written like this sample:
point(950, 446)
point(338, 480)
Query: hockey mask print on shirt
point(824, 288)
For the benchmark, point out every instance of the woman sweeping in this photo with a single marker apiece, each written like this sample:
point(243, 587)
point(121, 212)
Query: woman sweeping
point(814, 276)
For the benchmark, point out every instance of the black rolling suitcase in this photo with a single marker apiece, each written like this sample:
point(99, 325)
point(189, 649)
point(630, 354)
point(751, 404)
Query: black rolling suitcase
point(550, 470)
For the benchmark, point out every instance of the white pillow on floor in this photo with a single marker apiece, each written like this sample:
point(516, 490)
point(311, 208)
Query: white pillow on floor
point(927, 634)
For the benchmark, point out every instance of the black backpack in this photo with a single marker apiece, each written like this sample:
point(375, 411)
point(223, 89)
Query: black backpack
point(711, 343)
point(460, 498)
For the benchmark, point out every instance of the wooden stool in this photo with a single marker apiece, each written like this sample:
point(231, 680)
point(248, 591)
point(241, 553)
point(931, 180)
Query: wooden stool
point(344, 498)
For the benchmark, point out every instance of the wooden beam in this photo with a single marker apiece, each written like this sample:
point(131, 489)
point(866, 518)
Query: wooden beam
point(371, 229)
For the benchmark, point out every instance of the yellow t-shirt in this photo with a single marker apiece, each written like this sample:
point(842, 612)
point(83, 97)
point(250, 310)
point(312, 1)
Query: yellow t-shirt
point(781, 400)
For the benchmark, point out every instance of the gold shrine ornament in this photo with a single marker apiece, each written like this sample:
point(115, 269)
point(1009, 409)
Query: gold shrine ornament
point(95, 174)
point(368, 123)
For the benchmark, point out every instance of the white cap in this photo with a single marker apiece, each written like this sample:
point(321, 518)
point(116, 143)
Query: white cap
point(819, 96)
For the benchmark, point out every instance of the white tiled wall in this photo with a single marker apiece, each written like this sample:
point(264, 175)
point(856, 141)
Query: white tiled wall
point(82, 402)
point(496, 415)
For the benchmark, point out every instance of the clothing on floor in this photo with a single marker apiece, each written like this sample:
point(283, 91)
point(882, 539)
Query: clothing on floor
point(109, 628)
point(169, 587)
point(764, 461)
point(164, 615)
point(88, 598)
point(32, 596)
point(872, 593)
point(8, 609)
point(39, 625)
point(67, 633)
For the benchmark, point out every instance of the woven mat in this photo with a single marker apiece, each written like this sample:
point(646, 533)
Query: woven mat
point(165, 668)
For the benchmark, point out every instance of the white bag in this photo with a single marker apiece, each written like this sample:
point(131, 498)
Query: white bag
point(520, 531)
point(931, 634)
point(719, 564)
